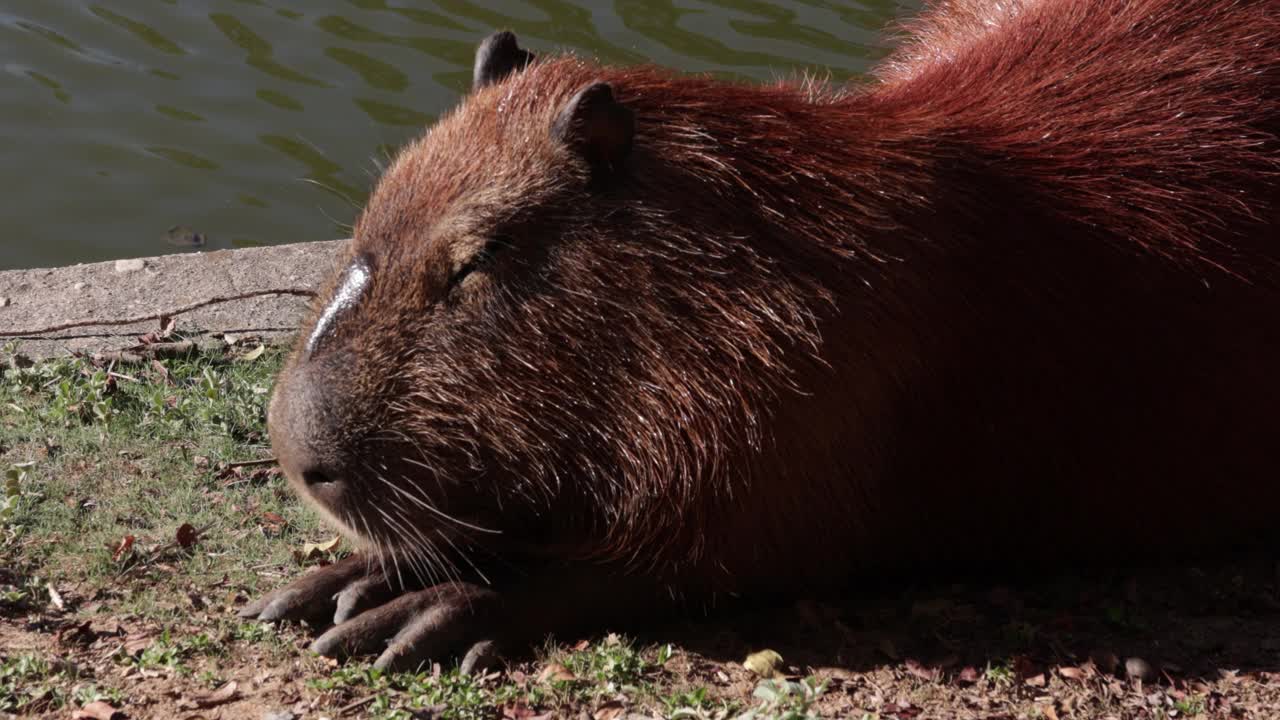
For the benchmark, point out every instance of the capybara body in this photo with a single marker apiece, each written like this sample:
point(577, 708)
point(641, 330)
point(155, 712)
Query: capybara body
point(1015, 295)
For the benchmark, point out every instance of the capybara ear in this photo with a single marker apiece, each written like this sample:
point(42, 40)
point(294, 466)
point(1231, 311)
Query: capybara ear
point(596, 125)
point(498, 56)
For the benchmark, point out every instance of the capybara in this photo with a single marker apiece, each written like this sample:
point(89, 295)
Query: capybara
point(610, 340)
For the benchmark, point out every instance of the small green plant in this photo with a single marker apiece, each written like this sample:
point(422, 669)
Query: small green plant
point(786, 700)
point(85, 694)
point(1000, 674)
point(14, 479)
point(168, 653)
point(697, 704)
point(613, 663)
point(1190, 706)
point(30, 683)
point(399, 695)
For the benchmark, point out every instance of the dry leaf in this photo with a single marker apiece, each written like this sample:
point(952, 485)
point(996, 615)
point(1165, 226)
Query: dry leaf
point(254, 354)
point(901, 710)
point(609, 711)
point(1023, 667)
point(924, 673)
point(122, 548)
point(764, 663)
point(186, 535)
point(98, 710)
point(1037, 680)
point(311, 551)
point(167, 326)
point(1072, 673)
point(968, 675)
point(222, 695)
point(55, 597)
point(555, 672)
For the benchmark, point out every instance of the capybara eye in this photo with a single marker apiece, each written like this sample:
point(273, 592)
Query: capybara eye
point(481, 259)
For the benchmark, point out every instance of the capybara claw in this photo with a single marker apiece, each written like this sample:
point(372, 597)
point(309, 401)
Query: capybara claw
point(435, 624)
point(315, 597)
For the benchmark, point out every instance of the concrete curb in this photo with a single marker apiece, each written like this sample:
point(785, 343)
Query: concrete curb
point(46, 297)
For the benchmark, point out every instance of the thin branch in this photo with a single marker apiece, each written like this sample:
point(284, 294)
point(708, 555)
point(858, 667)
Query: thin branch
point(156, 315)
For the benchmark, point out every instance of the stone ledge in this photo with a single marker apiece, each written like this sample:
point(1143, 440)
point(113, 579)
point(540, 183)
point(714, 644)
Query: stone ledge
point(46, 297)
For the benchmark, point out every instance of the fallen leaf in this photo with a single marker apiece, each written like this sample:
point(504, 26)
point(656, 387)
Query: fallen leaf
point(581, 645)
point(1037, 680)
point(1072, 673)
point(55, 597)
point(122, 548)
point(1049, 711)
point(555, 672)
point(134, 645)
point(167, 326)
point(254, 354)
point(310, 551)
point(98, 710)
point(900, 710)
point(186, 535)
point(924, 673)
point(609, 711)
point(765, 663)
point(1023, 667)
point(968, 675)
point(81, 634)
point(222, 695)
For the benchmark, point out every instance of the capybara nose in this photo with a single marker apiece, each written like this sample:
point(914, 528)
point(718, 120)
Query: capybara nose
point(316, 477)
point(306, 433)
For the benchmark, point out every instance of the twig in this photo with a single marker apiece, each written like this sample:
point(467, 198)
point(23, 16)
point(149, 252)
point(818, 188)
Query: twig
point(250, 463)
point(353, 706)
point(156, 315)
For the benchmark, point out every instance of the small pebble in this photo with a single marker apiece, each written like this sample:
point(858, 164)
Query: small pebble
point(279, 715)
point(78, 286)
point(4, 302)
point(131, 265)
point(1138, 669)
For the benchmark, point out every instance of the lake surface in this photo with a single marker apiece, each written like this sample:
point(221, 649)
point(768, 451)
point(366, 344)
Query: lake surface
point(256, 122)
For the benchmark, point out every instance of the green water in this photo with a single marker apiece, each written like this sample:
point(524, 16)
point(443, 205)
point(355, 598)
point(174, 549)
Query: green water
point(258, 122)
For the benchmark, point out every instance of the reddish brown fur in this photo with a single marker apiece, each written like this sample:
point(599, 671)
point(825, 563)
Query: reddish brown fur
point(1020, 286)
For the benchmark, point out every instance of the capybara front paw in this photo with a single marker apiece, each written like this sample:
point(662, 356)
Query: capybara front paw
point(452, 620)
point(328, 595)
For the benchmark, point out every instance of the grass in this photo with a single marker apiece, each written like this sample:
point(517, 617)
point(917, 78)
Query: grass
point(137, 514)
point(97, 458)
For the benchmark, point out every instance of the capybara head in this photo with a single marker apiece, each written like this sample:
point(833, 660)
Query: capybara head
point(550, 328)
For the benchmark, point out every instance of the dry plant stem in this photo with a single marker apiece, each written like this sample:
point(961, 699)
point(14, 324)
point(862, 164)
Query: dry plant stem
point(156, 315)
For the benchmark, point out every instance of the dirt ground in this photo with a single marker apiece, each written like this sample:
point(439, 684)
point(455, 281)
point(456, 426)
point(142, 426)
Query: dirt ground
point(1169, 643)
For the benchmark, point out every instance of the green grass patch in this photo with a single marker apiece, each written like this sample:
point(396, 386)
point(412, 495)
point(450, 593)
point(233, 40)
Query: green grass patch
point(104, 464)
point(31, 684)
